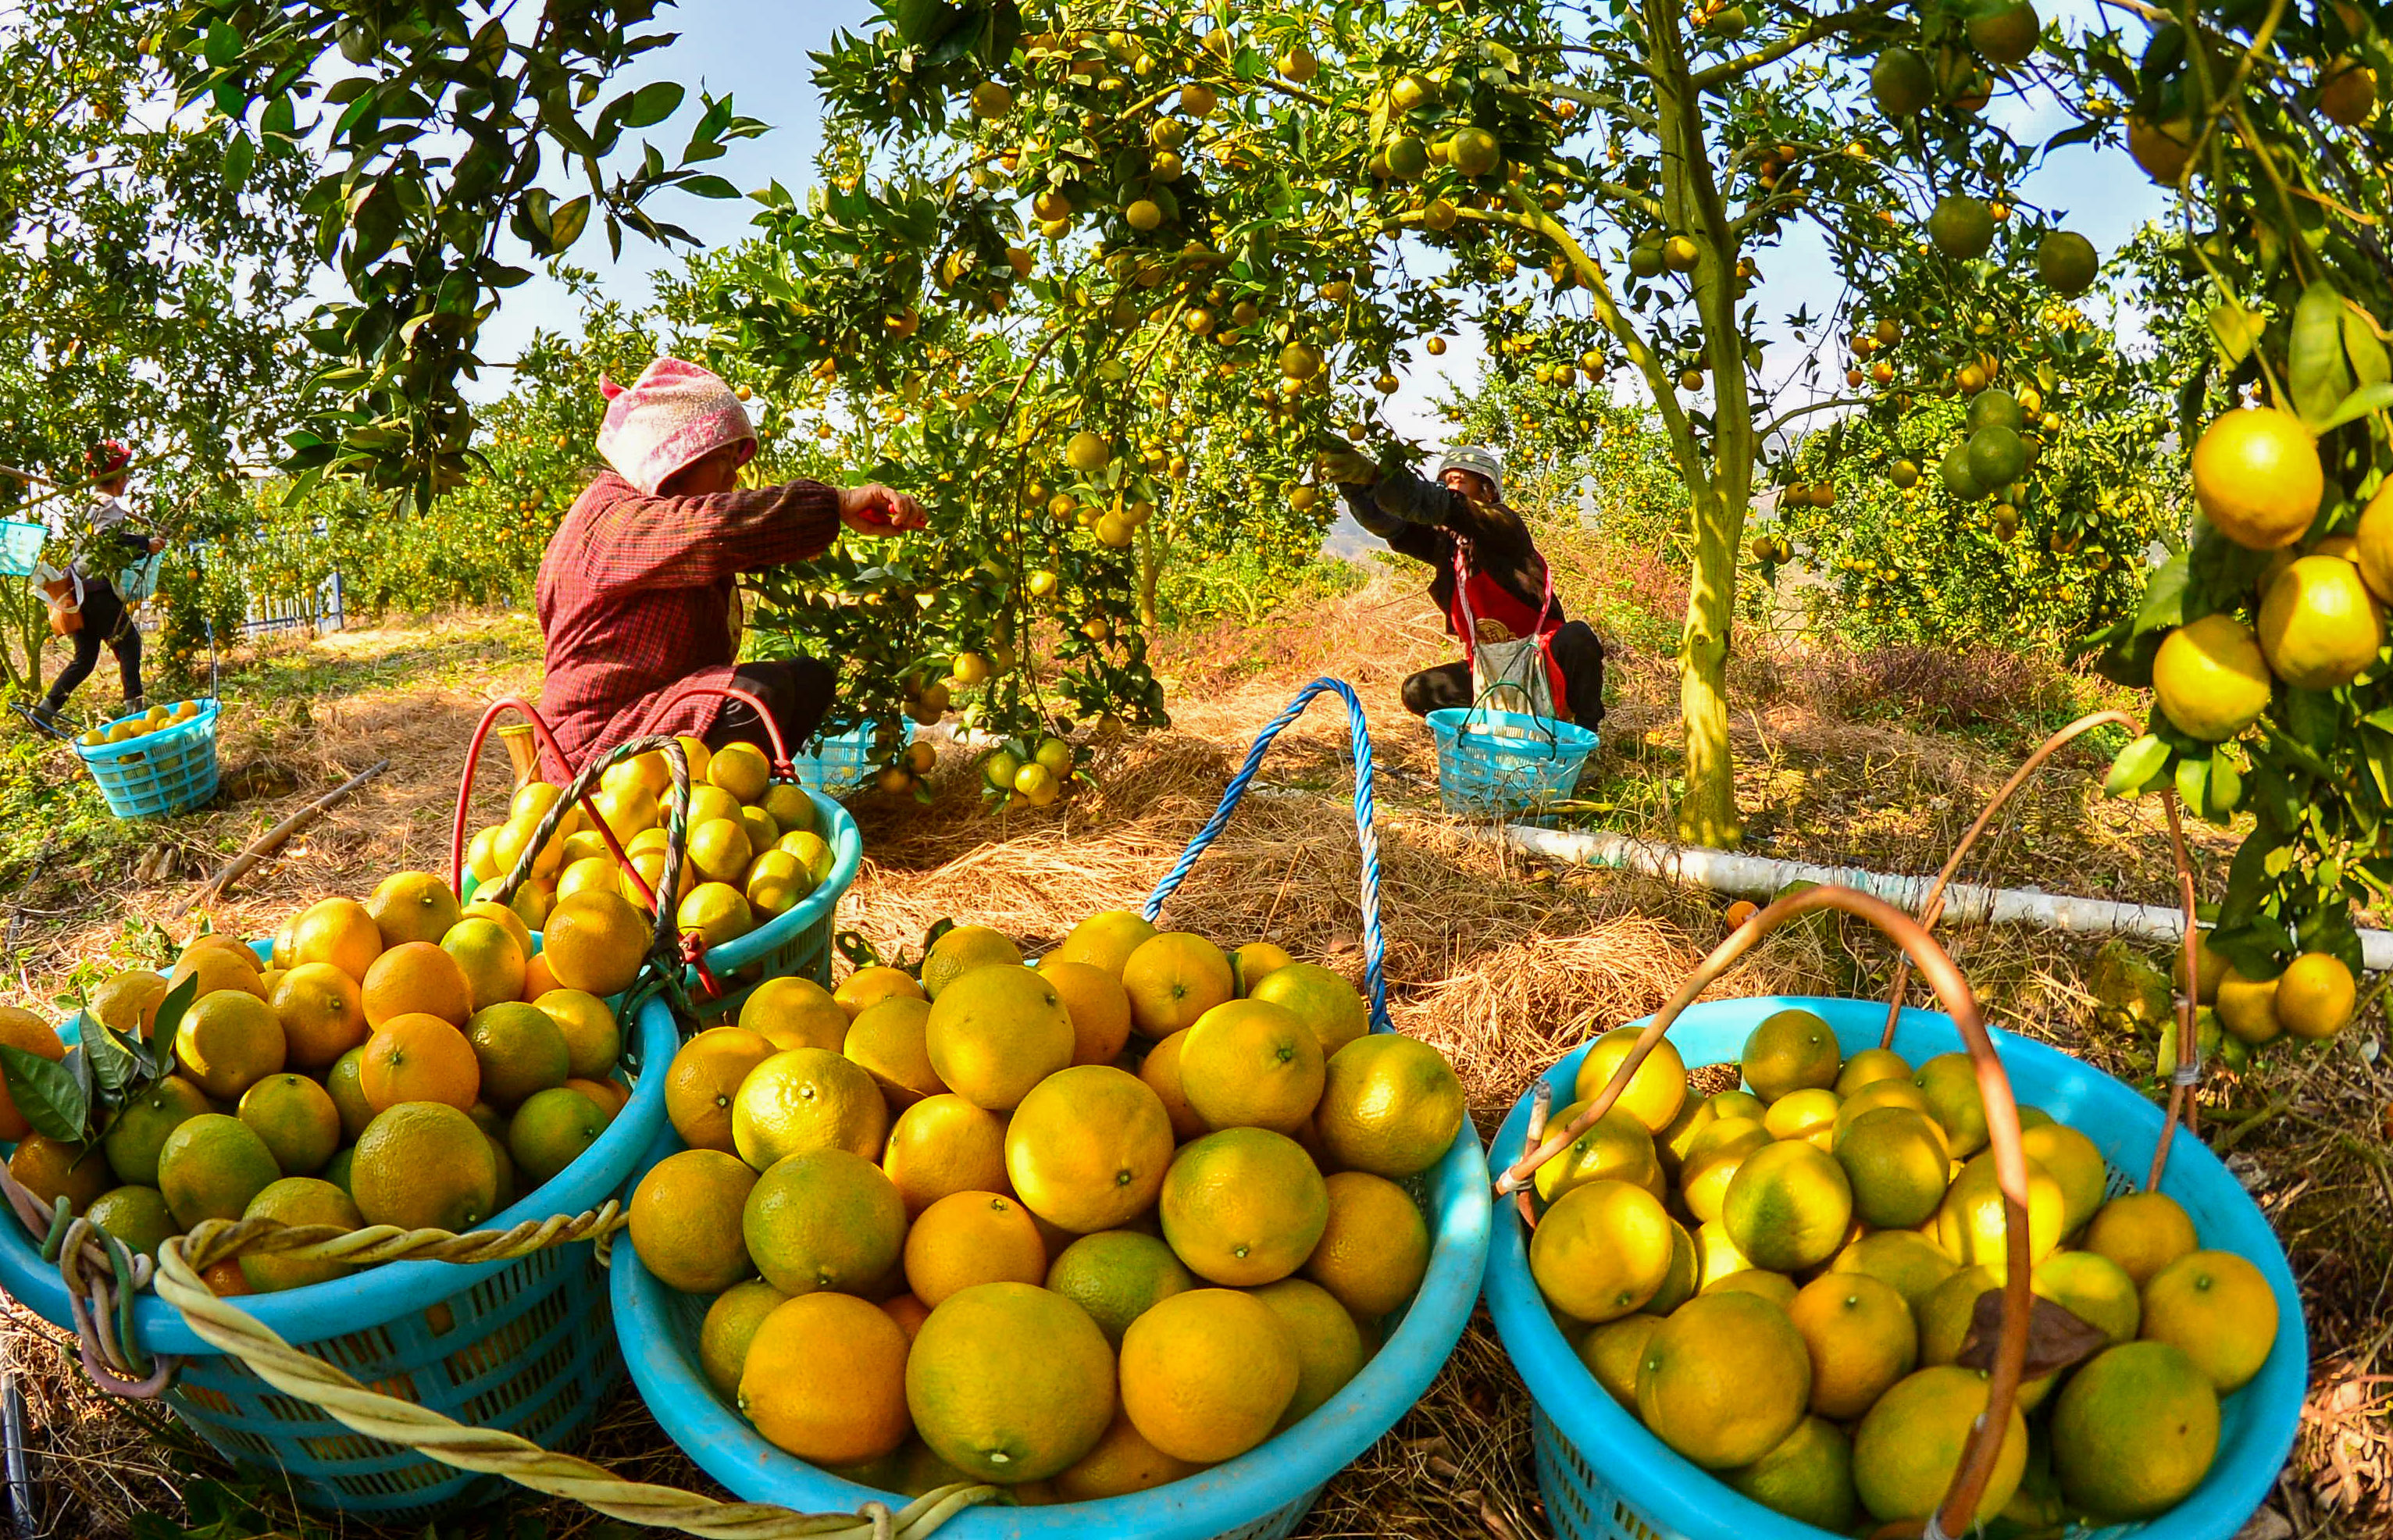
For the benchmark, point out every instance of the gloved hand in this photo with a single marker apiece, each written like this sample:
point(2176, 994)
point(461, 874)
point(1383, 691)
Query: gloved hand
point(1346, 465)
point(873, 509)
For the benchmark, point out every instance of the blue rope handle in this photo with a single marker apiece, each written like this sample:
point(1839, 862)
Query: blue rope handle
point(1375, 945)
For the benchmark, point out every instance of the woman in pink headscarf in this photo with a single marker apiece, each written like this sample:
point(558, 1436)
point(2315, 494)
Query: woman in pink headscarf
point(639, 588)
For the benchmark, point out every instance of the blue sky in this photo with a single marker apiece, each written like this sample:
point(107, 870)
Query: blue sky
point(756, 50)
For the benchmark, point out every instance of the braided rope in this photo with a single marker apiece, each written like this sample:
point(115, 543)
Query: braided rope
point(1375, 945)
point(213, 1241)
point(294, 1372)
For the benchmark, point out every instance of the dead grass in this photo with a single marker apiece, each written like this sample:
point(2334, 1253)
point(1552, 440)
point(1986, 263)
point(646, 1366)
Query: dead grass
point(1501, 962)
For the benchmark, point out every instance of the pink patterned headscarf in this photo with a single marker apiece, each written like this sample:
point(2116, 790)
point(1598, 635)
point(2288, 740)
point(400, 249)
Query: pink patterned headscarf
point(674, 414)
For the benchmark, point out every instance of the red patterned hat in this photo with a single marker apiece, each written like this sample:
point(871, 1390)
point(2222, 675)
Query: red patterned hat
point(674, 414)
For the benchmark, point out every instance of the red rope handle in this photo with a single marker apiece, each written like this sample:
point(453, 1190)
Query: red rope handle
point(549, 745)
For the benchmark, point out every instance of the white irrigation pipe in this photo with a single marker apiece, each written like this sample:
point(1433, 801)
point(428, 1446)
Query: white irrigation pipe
point(1755, 877)
point(1758, 878)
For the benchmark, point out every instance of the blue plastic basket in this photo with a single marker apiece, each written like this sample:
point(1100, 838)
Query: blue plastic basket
point(1605, 1477)
point(795, 942)
point(1502, 764)
point(528, 1346)
point(840, 761)
point(21, 547)
point(1262, 1495)
point(167, 771)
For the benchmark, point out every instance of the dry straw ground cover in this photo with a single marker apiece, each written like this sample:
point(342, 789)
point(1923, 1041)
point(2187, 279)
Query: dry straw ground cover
point(1503, 962)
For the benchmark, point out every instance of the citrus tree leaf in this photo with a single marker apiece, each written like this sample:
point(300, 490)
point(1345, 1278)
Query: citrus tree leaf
point(47, 1092)
point(2359, 404)
point(169, 1019)
point(2317, 378)
point(2138, 765)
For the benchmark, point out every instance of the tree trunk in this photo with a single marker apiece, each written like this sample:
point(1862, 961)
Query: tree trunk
point(1717, 491)
point(1150, 572)
point(1708, 807)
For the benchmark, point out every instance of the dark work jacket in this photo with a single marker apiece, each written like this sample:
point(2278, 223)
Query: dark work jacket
point(1422, 518)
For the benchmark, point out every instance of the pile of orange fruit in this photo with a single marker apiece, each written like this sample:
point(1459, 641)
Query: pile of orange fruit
point(1081, 1229)
point(156, 719)
point(755, 845)
point(1778, 1280)
point(405, 1060)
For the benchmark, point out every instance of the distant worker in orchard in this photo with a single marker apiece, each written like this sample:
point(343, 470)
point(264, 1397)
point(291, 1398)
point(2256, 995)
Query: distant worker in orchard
point(638, 594)
point(1522, 654)
point(88, 546)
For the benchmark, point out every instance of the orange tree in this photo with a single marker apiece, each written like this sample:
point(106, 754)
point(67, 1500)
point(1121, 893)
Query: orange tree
point(1890, 506)
point(2262, 640)
point(1710, 136)
point(1142, 382)
point(1268, 181)
point(430, 136)
point(147, 294)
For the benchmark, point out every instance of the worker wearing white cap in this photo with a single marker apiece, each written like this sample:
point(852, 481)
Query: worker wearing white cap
point(1492, 584)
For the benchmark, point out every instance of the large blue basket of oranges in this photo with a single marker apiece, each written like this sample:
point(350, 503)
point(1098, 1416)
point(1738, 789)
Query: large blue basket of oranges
point(1095, 1277)
point(524, 1346)
point(1606, 1475)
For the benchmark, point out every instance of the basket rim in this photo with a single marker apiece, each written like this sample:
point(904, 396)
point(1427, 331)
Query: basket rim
point(1447, 723)
point(382, 1294)
point(1287, 1469)
point(172, 735)
point(1651, 1475)
point(847, 854)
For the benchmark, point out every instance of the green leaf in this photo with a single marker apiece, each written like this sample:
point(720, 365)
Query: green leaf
point(2363, 347)
point(565, 223)
point(2317, 376)
point(113, 1064)
point(2138, 765)
point(178, 1000)
point(239, 156)
point(2359, 404)
point(710, 187)
point(223, 45)
point(46, 1092)
point(2237, 329)
point(2164, 604)
point(653, 103)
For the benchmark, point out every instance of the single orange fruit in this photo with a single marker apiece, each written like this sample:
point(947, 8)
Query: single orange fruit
point(943, 1145)
point(1173, 978)
point(1161, 1070)
point(489, 957)
point(867, 988)
point(230, 966)
point(322, 1015)
point(338, 931)
point(1098, 1005)
point(704, 1080)
point(967, 1238)
point(416, 978)
point(297, 1118)
point(229, 1042)
point(413, 906)
point(419, 1057)
point(597, 942)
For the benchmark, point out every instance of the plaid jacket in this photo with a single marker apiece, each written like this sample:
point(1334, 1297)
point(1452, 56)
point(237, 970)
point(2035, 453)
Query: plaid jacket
point(636, 597)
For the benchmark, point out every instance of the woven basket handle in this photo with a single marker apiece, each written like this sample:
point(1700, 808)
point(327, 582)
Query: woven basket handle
point(1375, 946)
point(1956, 1514)
point(242, 1336)
point(2182, 1107)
